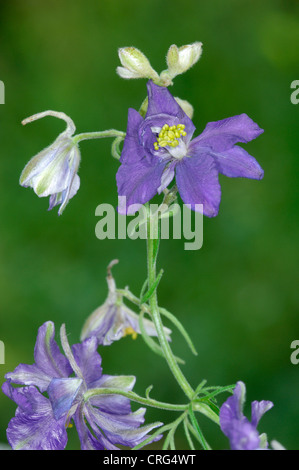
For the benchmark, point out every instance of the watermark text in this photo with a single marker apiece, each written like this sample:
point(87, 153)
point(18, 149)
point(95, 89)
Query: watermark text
point(295, 95)
point(2, 353)
point(2, 93)
point(174, 222)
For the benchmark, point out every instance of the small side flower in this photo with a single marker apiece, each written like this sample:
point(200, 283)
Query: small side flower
point(53, 171)
point(241, 432)
point(113, 320)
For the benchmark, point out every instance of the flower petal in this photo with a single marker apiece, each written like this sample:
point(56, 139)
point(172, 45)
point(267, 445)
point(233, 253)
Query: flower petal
point(56, 176)
point(16, 395)
point(167, 177)
point(232, 408)
point(47, 354)
point(49, 361)
point(122, 429)
point(138, 183)
point(62, 394)
point(41, 161)
point(100, 322)
point(116, 404)
point(236, 162)
point(29, 374)
point(224, 134)
point(197, 182)
point(161, 101)
point(132, 150)
point(243, 435)
point(36, 429)
point(87, 440)
point(88, 359)
point(56, 199)
point(258, 409)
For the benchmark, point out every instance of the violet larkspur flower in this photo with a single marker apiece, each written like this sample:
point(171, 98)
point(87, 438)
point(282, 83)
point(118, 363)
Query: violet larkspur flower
point(242, 433)
point(41, 420)
point(113, 320)
point(53, 171)
point(160, 146)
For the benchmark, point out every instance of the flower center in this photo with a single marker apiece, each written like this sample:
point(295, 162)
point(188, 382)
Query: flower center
point(169, 136)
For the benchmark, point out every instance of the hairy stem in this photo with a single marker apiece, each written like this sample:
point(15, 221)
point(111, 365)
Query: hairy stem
point(98, 135)
point(152, 250)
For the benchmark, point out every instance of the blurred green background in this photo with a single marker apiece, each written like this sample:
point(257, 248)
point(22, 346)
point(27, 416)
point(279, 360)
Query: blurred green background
point(238, 296)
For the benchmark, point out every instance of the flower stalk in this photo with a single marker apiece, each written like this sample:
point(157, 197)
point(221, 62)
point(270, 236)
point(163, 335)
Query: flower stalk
point(98, 135)
point(152, 251)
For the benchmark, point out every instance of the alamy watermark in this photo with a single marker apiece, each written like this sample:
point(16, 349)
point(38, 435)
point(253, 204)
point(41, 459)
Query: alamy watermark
point(2, 93)
point(295, 354)
point(295, 95)
point(174, 222)
point(2, 353)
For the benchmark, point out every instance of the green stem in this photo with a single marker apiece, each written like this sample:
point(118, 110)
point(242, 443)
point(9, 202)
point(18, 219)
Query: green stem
point(134, 397)
point(98, 135)
point(152, 249)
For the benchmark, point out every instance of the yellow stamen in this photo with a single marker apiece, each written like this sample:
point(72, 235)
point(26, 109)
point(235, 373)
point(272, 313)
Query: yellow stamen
point(169, 136)
point(130, 331)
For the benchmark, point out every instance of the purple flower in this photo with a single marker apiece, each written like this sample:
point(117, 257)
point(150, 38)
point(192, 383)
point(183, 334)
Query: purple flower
point(160, 147)
point(113, 320)
point(71, 385)
point(242, 433)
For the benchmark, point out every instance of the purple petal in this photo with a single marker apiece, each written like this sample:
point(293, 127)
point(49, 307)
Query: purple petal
point(161, 101)
point(37, 429)
point(197, 182)
point(122, 429)
point(49, 361)
point(100, 322)
point(17, 395)
point(88, 359)
point(232, 408)
point(138, 183)
point(243, 435)
point(132, 149)
point(62, 394)
point(236, 162)
point(258, 409)
point(223, 135)
point(87, 440)
point(115, 404)
point(47, 354)
point(29, 374)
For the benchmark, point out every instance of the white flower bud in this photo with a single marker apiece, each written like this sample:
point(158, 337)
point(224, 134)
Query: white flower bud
point(135, 64)
point(186, 106)
point(181, 59)
point(53, 171)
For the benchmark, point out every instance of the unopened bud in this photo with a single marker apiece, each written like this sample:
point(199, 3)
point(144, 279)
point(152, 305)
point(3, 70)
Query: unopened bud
point(135, 64)
point(181, 59)
point(186, 106)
